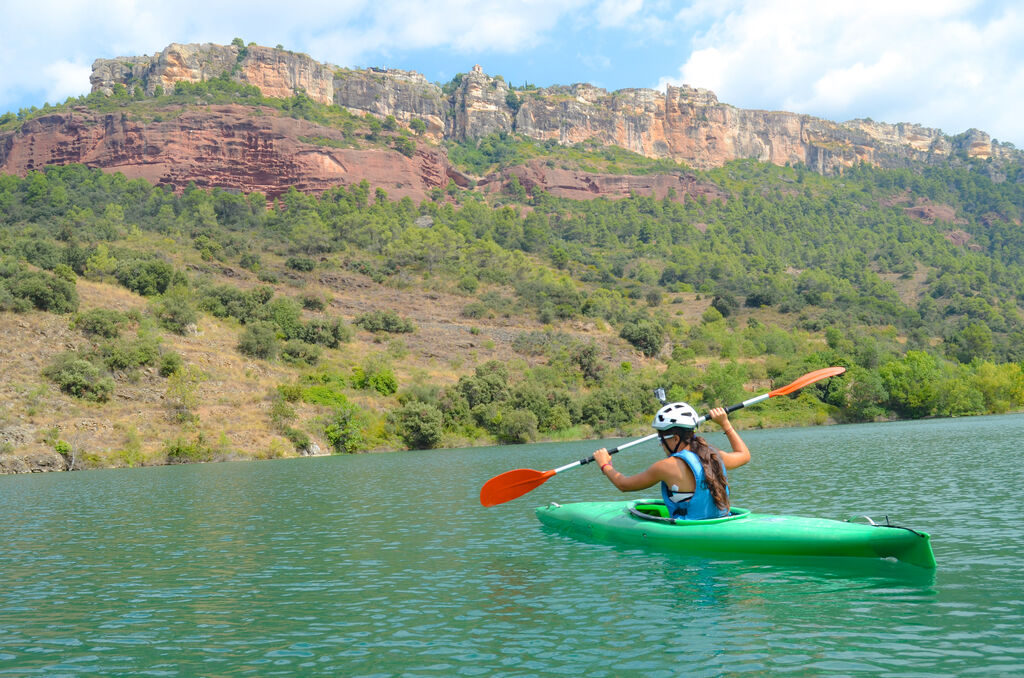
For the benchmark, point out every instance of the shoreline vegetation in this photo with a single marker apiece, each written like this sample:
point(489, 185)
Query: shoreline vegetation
point(142, 326)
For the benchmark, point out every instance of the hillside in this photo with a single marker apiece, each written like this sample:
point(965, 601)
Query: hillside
point(278, 276)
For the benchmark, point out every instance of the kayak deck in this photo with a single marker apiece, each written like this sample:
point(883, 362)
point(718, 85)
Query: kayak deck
point(645, 523)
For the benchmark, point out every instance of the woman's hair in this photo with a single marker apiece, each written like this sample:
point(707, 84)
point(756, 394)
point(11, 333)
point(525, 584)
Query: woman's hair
point(710, 461)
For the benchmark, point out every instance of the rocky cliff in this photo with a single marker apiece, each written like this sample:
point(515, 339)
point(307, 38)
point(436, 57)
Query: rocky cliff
point(223, 146)
point(229, 147)
point(257, 149)
point(683, 123)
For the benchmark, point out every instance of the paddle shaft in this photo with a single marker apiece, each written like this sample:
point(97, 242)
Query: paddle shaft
point(731, 408)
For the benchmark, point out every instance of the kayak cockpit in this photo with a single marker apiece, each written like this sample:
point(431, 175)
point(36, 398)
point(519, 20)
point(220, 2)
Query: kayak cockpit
point(655, 510)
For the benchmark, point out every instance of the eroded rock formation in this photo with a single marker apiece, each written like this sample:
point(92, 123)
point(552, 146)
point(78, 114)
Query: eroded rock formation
point(256, 149)
point(685, 124)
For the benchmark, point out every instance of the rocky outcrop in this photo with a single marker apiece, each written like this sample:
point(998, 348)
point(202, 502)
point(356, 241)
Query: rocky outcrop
point(685, 124)
point(257, 149)
point(480, 106)
point(35, 462)
point(382, 92)
point(16, 455)
point(222, 146)
point(177, 63)
point(229, 147)
point(276, 72)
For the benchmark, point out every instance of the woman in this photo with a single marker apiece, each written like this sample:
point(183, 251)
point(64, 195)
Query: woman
point(692, 474)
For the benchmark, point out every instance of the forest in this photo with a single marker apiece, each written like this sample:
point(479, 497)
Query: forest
point(792, 270)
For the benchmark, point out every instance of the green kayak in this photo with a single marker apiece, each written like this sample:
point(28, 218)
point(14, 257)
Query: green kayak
point(645, 523)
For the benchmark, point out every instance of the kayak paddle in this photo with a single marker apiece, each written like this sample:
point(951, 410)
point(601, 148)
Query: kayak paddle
point(511, 484)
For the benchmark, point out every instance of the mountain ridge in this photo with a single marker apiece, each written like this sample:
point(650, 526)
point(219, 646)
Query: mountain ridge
point(684, 123)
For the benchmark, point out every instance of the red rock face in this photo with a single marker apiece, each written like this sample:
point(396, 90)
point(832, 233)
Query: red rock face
point(225, 146)
point(244, 149)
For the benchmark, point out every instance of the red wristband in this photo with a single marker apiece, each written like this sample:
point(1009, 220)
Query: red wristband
point(607, 463)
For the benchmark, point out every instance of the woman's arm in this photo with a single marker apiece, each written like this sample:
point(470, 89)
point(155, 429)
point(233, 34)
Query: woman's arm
point(740, 455)
point(641, 481)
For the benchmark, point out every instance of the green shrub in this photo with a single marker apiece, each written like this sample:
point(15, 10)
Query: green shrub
point(313, 302)
point(259, 341)
point(44, 291)
point(343, 429)
point(645, 334)
point(300, 439)
point(147, 277)
point(176, 310)
point(488, 384)
point(476, 310)
point(170, 363)
point(295, 352)
point(418, 424)
point(99, 322)
point(375, 375)
point(8, 302)
point(517, 426)
point(121, 354)
point(468, 284)
point(250, 262)
point(181, 451)
point(300, 263)
point(292, 393)
point(725, 304)
point(327, 333)
point(225, 301)
point(79, 377)
point(385, 321)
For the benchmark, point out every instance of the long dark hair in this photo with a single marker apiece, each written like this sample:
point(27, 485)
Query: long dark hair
point(710, 461)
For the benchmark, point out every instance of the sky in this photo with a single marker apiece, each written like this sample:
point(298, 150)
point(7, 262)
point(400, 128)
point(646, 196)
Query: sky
point(946, 64)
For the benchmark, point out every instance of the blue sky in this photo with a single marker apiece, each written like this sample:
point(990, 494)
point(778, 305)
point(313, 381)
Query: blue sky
point(948, 64)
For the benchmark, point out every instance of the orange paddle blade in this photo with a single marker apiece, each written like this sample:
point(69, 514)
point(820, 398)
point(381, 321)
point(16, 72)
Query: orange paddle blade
point(809, 378)
point(511, 484)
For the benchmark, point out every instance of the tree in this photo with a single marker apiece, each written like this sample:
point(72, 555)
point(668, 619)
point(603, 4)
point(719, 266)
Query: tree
point(865, 394)
point(175, 310)
point(516, 426)
point(645, 334)
point(44, 291)
point(972, 342)
point(912, 383)
point(343, 429)
point(418, 424)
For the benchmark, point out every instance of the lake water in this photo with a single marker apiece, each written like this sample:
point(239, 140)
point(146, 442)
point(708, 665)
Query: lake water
point(387, 565)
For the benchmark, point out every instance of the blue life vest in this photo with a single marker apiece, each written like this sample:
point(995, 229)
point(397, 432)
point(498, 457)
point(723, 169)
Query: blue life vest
point(701, 505)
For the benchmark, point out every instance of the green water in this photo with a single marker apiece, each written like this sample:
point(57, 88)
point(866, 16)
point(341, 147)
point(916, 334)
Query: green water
point(386, 565)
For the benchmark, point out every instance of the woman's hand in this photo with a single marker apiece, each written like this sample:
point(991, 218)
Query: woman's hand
point(601, 457)
point(720, 417)
point(740, 455)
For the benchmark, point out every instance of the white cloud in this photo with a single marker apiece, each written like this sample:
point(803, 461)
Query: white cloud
point(616, 12)
point(59, 38)
point(64, 79)
point(951, 64)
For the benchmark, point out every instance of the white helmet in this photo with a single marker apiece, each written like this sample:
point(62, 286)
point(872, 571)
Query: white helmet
point(675, 414)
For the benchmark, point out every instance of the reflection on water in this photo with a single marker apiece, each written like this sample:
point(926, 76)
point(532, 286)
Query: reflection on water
point(387, 565)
